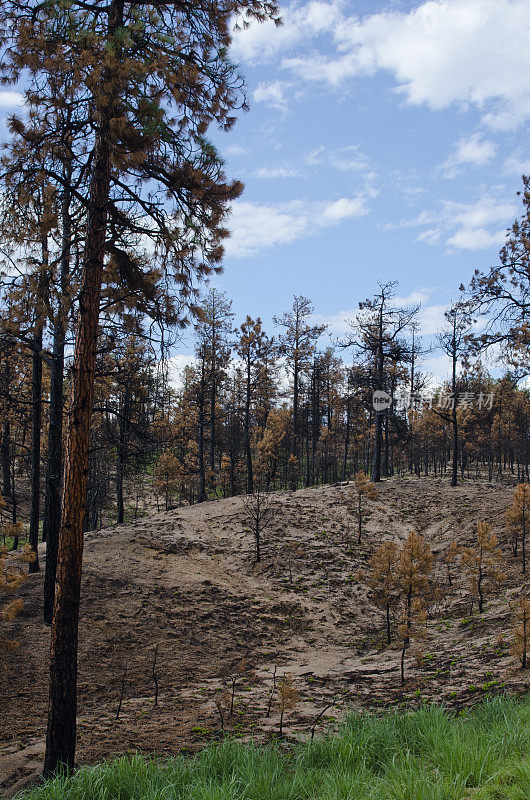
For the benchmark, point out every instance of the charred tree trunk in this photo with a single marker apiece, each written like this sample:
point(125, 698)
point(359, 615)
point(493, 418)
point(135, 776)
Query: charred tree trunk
point(454, 421)
point(294, 443)
point(62, 709)
point(52, 501)
point(378, 429)
point(14, 502)
point(248, 452)
point(347, 438)
point(386, 463)
point(120, 506)
point(36, 423)
point(201, 493)
point(5, 455)
point(123, 436)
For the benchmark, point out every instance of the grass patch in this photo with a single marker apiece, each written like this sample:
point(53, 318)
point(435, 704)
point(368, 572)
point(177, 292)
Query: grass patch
point(424, 755)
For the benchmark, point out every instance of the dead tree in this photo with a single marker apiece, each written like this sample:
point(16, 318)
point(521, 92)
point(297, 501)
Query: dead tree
point(260, 512)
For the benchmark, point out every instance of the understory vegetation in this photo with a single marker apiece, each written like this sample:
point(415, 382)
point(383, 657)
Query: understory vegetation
point(425, 755)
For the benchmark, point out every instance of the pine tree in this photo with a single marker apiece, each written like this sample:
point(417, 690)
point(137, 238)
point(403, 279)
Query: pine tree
point(214, 334)
point(298, 344)
point(482, 563)
point(413, 569)
point(260, 512)
point(378, 336)
point(518, 518)
point(254, 347)
point(453, 340)
point(450, 556)
point(269, 446)
point(155, 84)
point(167, 475)
point(288, 697)
point(382, 578)
point(502, 293)
point(365, 490)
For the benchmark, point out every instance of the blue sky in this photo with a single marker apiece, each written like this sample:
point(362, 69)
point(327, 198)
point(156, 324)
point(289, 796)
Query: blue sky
point(384, 141)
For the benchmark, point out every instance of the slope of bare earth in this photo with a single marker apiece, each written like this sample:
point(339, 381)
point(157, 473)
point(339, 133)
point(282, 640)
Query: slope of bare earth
point(185, 581)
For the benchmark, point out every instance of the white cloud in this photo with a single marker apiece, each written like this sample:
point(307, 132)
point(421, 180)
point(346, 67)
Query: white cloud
point(431, 236)
point(517, 164)
point(412, 299)
point(431, 319)
point(449, 51)
point(472, 223)
point(11, 99)
point(473, 149)
point(300, 20)
point(176, 365)
point(464, 226)
point(470, 238)
point(236, 150)
point(261, 41)
point(440, 53)
point(273, 94)
point(337, 324)
point(437, 366)
point(343, 158)
point(345, 208)
point(257, 227)
point(279, 171)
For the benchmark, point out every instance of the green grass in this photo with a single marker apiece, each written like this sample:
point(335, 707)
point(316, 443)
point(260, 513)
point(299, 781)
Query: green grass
point(424, 755)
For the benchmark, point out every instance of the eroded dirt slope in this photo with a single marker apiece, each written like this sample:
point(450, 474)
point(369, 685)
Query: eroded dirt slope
point(184, 581)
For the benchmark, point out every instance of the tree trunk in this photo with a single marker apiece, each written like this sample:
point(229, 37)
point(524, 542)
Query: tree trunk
point(480, 592)
point(6, 464)
point(62, 709)
point(248, 452)
point(525, 640)
point(294, 448)
point(213, 394)
point(201, 492)
point(386, 463)
point(123, 437)
point(14, 501)
point(52, 501)
point(378, 438)
point(454, 473)
point(403, 650)
point(523, 544)
point(120, 507)
point(347, 438)
point(36, 420)
point(257, 535)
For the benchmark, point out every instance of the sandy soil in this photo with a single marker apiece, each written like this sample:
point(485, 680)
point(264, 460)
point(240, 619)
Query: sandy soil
point(185, 581)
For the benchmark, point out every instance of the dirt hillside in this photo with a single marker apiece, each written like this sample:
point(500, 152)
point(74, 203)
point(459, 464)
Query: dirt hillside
point(184, 581)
